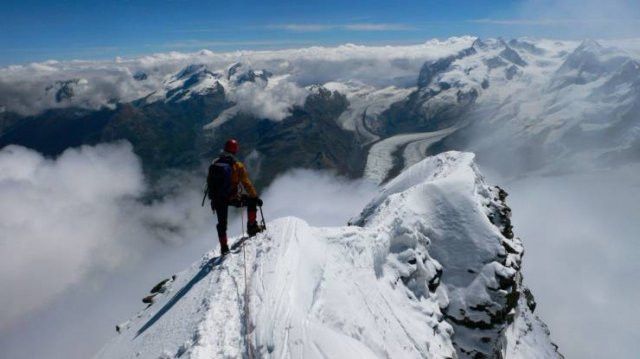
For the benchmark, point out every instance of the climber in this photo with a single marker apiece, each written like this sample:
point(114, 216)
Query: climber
point(228, 184)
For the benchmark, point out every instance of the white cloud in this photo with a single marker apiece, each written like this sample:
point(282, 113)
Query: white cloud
point(320, 198)
point(272, 100)
point(580, 235)
point(66, 220)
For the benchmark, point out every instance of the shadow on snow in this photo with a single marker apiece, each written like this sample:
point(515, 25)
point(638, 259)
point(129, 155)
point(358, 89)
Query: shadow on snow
point(204, 271)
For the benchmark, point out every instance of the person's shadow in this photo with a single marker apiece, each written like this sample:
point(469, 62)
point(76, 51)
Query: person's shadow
point(236, 246)
point(204, 271)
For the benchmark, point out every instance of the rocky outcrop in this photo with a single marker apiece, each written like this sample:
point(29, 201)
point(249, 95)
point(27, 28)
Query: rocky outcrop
point(470, 265)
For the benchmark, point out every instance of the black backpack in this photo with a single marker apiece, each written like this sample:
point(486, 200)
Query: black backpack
point(219, 178)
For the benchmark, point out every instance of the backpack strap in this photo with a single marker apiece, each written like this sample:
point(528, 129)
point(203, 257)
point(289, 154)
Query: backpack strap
point(226, 158)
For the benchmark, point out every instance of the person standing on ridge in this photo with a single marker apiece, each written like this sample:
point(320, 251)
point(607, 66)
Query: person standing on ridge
point(228, 184)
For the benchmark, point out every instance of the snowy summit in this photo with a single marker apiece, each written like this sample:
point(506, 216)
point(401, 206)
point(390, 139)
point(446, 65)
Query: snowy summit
point(430, 269)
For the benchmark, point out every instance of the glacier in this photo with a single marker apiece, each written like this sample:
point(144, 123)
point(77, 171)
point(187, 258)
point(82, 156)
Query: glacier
point(429, 269)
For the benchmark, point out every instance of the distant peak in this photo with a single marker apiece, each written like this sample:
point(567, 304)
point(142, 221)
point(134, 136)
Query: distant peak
point(190, 70)
point(231, 70)
point(478, 44)
point(590, 45)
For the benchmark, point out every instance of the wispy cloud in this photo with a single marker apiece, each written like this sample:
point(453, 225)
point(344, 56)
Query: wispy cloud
point(346, 27)
point(302, 27)
point(548, 22)
point(378, 27)
point(189, 44)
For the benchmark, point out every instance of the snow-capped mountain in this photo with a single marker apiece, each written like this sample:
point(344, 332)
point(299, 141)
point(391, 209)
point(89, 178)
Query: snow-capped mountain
point(430, 268)
point(193, 80)
point(584, 110)
point(557, 105)
point(64, 90)
point(197, 80)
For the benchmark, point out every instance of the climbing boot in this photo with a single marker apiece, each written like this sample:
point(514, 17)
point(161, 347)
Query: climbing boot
point(253, 228)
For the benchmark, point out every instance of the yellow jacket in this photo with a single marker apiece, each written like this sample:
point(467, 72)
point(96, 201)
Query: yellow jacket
point(239, 175)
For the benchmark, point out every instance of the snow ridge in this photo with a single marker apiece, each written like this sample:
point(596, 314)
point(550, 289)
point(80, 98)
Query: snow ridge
point(430, 269)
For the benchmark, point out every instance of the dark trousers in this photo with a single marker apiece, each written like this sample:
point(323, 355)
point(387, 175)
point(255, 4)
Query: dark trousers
point(221, 207)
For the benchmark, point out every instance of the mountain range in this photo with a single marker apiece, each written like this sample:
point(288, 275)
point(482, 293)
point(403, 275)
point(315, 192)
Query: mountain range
point(555, 105)
point(431, 266)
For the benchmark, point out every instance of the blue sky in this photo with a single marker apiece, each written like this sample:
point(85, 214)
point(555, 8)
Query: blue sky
point(36, 30)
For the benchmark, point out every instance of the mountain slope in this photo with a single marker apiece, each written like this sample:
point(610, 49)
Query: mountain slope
point(429, 269)
point(556, 106)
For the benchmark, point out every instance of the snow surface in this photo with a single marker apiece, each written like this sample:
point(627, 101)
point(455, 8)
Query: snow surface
point(380, 288)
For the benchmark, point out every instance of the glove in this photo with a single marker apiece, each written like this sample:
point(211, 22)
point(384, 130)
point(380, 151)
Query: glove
point(259, 202)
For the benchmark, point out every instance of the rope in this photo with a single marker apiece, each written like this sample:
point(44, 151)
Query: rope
point(241, 223)
point(247, 313)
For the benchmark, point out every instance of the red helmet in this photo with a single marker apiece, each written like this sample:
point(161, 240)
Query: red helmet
point(231, 146)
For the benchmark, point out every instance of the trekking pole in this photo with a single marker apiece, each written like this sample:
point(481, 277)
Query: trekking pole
point(206, 189)
point(264, 225)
